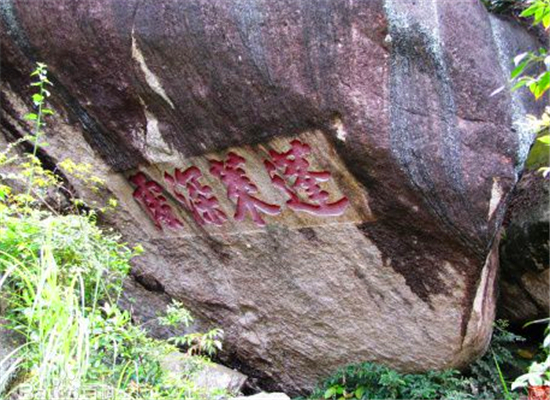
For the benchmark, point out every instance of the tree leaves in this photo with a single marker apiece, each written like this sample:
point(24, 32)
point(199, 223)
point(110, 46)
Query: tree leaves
point(519, 69)
point(540, 11)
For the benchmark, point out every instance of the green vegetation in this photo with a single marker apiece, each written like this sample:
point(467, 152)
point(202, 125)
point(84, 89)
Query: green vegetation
point(483, 380)
point(61, 277)
point(505, 6)
point(25, 185)
point(196, 343)
point(60, 280)
point(493, 373)
point(539, 372)
point(539, 85)
point(373, 381)
point(532, 69)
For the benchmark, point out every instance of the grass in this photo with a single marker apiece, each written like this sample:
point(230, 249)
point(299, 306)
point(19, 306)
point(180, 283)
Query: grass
point(54, 271)
point(61, 277)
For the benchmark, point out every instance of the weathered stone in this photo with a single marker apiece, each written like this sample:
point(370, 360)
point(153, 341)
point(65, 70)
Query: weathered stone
point(264, 396)
point(145, 299)
point(216, 376)
point(209, 377)
point(524, 252)
point(403, 103)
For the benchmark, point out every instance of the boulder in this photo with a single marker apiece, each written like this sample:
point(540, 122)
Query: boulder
point(210, 377)
point(216, 376)
point(524, 252)
point(264, 396)
point(323, 180)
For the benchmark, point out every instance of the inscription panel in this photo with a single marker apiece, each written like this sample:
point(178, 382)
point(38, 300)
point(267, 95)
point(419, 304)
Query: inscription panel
point(293, 182)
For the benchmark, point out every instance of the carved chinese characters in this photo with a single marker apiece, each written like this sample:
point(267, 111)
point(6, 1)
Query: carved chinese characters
point(198, 199)
point(294, 167)
point(149, 194)
point(240, 189)
point(289, 171)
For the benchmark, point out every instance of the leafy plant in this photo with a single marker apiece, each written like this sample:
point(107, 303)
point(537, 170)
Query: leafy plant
point(176, 315)
point(55, 270)
point(504, 6)
point(540, 151)
point(486, 378)
point(492, 373)
point(61, 277)
point(539, 372)
point(25, 184)
point(41, 72)
point(537, 84)
point(195, 343)
point(375, 381)
point(532, 69)
point(539, 10)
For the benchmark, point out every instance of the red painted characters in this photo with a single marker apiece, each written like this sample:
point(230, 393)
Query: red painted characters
point(289, 171)
point(241, 189)
point(198, 198)
point(149, 194)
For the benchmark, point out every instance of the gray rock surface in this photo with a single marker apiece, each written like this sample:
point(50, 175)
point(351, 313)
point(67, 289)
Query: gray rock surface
point(264, 396)
point(384, 250)
point(218, 376)
point(210, 376)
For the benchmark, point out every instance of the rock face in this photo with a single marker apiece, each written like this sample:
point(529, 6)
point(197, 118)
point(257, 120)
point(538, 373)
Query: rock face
point(322, 179)
point(264, 396)
point(524, 282)
point(209, 377)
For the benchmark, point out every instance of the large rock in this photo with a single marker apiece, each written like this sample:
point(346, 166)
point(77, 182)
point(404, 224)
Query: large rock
point(208, 377)
point(524, 252)
point(264, 396)
point(397, 111)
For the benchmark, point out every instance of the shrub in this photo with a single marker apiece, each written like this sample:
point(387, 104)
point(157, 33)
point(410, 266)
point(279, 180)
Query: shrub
point(492, 373)
point(539, 371)
point(483, 380)
point(374, 381)
point(61, 277)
